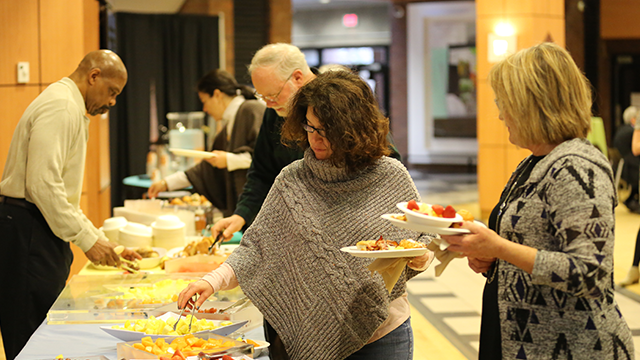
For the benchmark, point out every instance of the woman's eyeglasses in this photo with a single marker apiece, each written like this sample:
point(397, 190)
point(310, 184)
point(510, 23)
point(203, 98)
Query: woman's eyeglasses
point(310, 129)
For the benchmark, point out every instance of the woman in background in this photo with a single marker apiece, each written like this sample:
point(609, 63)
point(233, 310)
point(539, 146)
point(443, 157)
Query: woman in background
point(238, 118)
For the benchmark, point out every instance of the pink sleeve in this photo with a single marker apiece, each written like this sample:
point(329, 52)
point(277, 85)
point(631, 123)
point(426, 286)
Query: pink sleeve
point(222, 278)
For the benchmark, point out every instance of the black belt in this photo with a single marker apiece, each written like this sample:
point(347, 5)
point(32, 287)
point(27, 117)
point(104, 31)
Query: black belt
point(18, 202)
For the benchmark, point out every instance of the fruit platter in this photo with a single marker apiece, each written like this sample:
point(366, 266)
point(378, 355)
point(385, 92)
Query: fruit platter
point(183, 347)
point(163, 327)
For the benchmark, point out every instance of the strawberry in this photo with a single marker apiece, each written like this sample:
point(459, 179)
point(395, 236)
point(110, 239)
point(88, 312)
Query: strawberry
point(449, 212)
point(412, 205)
point(438, 209)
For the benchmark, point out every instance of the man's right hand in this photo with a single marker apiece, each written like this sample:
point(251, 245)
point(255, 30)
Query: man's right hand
point(229, 225)
point(157, 187)
point(101, 253)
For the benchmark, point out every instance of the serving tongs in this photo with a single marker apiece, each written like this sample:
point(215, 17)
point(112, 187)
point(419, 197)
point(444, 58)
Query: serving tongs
point(236, 306)
point(125, 264)
point(217, 240)
point(194, 298)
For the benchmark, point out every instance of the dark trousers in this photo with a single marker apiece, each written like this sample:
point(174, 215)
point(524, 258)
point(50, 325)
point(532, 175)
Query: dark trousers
point(34, 264)
point(276, 346)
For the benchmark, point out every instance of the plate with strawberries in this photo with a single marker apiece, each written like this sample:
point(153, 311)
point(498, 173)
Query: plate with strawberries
point(435, 216)
point(400, 220)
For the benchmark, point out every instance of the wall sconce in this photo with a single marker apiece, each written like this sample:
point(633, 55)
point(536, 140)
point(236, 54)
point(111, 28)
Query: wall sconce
point(502, 42)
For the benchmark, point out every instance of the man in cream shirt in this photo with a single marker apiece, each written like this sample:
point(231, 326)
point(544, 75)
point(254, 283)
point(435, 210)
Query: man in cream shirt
point(40, 196)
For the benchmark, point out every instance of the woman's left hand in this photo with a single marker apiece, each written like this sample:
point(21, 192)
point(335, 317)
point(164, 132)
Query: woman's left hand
point(421, 262)
point(219, 160)
point(480, 265)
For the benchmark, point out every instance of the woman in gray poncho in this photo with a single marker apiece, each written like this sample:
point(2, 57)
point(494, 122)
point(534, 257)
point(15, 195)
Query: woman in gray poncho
point(548, 252)
point(324, 303)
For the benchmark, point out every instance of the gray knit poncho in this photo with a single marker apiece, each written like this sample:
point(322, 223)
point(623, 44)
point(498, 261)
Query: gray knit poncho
point(323, 302)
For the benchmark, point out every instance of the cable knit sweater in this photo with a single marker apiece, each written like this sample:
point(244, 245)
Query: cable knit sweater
point(566, 309)
point(323, 302)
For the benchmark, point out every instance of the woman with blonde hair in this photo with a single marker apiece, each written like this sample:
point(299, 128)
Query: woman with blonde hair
point(548, 251)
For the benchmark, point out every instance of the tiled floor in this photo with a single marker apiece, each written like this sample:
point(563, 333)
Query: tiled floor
point(452, 303)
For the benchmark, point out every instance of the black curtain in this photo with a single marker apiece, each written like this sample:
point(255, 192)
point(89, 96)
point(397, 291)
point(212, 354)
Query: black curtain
point(170, 51)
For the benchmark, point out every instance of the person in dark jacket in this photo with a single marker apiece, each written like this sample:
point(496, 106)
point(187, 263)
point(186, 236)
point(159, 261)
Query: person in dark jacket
point(622, 141)
point(238, 118)
point(277, 72)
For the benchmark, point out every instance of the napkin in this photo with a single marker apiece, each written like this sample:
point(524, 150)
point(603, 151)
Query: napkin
point(442, 254)
point(390, 269)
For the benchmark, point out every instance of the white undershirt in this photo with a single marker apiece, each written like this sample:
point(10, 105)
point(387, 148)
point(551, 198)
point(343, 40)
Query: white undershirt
point(240, 161)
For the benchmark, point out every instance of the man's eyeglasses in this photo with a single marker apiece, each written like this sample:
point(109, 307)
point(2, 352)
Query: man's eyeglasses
point(274, 98)
point(308, 128)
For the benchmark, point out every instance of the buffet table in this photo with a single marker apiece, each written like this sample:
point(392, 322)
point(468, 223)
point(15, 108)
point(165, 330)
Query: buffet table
point(87, 342)
point(72, 327)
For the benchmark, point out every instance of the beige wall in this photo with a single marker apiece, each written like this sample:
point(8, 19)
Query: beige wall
point(534, 21)
point(53, 36)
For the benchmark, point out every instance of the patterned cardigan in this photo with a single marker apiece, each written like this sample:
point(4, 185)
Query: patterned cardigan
point(566, 309)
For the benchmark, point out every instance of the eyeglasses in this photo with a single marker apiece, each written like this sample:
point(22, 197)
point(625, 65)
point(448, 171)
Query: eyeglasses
point(274, 98)
point(310, 129)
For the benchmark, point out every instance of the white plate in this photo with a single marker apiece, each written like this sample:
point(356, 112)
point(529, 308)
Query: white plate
point(150, 263)
point(127, 335)
point(145, 264)
point(422, 228)
point(172, 253)
point(193, 153)
point(428, 220)
point(353, 250)
point(257, 350)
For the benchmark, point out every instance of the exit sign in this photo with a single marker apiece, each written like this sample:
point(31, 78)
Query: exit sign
point(350, 20)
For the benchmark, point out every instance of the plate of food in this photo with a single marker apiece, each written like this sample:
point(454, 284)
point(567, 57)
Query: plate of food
point(430, 215)
point(150, 258)
point(162, 327)
point(386, 248)
point(193, 153)
point(400, 220)
point(258, 346)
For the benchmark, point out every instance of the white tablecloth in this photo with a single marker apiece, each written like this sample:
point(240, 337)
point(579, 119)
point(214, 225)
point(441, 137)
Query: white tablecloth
point(83, 341)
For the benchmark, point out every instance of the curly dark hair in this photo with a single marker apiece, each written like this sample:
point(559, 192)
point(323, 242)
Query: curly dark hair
point(349, 114)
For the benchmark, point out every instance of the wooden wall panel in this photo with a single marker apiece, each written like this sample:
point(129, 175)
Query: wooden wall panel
point(79, 261)
point(13, 100)
point(61, 37)
point(103, 154)
point(280, 19)
point(19, 39)
point(619, 19)
point(534, 21)
point(223, 8)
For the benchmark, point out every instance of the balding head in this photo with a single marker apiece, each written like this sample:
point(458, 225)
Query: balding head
point(106, 61)
point(100, 77)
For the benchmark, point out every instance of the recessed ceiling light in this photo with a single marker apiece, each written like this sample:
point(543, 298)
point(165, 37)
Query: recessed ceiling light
point(324, 1)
